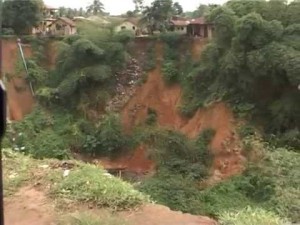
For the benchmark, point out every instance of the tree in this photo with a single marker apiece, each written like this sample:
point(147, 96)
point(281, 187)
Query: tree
point(157, 15)
point(249, 54)
point(139, 6)
point(22, 15)
point(177, 8)
point(95, 8)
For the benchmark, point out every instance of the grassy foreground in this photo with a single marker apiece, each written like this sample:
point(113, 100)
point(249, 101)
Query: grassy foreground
point(71, 181)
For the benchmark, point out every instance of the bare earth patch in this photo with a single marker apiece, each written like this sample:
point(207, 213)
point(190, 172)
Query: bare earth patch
point(151, 214)
point(29, 207)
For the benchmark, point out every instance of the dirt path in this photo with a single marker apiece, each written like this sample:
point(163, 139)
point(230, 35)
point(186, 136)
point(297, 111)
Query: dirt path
point(29, 207)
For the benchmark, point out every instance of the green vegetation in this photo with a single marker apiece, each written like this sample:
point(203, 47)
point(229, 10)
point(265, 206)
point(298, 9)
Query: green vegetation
point(252, 61)
point(249, 216)
point(21, 16)
point(170, 66)
point(87, 183)
point(156, 16)
point(182, 163)
point(16, 171)
point(42, 135)
point(108, 138)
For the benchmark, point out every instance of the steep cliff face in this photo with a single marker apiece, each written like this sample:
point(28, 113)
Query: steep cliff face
point(20, 99)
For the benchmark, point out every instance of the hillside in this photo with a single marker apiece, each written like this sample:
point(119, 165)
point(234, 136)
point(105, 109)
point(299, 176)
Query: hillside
point(203, 128)
point(49, 192)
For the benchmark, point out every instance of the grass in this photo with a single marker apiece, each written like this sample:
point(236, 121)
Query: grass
point(251, 216)
point(92, 219)
point(16, 170)
point(85, 183)
point(88, 183)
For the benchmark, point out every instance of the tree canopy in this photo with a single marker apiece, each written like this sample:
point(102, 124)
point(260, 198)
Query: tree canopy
point(155, 17)
point(255, 59)
point(96, 8)
point(22, 15)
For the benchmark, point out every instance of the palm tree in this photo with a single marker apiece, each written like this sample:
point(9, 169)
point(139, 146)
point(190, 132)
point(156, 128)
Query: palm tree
point(96, 8)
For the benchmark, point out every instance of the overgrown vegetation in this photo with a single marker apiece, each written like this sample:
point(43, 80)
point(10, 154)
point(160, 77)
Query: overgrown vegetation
point(253, 61)
point(108, 139)
point(170, 64)
point(182, 164)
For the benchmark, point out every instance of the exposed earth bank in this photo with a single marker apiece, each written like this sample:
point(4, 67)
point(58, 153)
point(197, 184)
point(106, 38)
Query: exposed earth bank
point(31, 207)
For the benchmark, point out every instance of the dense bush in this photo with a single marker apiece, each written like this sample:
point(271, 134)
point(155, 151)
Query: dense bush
point(108, 138)
point(124, 36)
point(181, 164)
point(252, 63)
point(45, 135)
point(170, 71)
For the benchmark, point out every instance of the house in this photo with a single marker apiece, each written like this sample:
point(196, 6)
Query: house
point(178, 25)
point(62, 26)
point(199, 27)
point(48, 18)
point(131, 24)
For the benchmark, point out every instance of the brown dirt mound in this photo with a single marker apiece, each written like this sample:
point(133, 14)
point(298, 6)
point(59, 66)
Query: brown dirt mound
point(29, 206)
point(161, 215)
point(155, 94)
point(20, 99)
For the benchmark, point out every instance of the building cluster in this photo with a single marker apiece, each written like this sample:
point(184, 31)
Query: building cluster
point(51, 26)
point(60, 26)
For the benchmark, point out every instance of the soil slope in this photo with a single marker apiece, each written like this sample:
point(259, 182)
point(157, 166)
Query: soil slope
point(155, 94)
point(20, 99)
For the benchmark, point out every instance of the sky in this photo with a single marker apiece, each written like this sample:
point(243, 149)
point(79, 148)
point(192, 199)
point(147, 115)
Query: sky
point(117, 7)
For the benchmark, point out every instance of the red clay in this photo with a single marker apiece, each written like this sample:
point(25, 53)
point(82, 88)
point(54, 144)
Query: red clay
point(155, 94)
point(20, 99)
point(29, 207)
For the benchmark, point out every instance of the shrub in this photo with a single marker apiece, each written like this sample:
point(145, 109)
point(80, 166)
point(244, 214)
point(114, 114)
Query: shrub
point(110, 136)
point(169, 71)
point(173, 190)
point(151, 117)
point(172, 39)
point(87, 183)
point(48, 144)
point(108, 139)
point(246, 130)
point(250, 216)
point(124, 36)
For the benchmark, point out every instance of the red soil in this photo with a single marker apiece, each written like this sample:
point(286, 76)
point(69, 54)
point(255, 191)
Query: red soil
point(29, 206)
point(21, 101)
point(155, 94)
